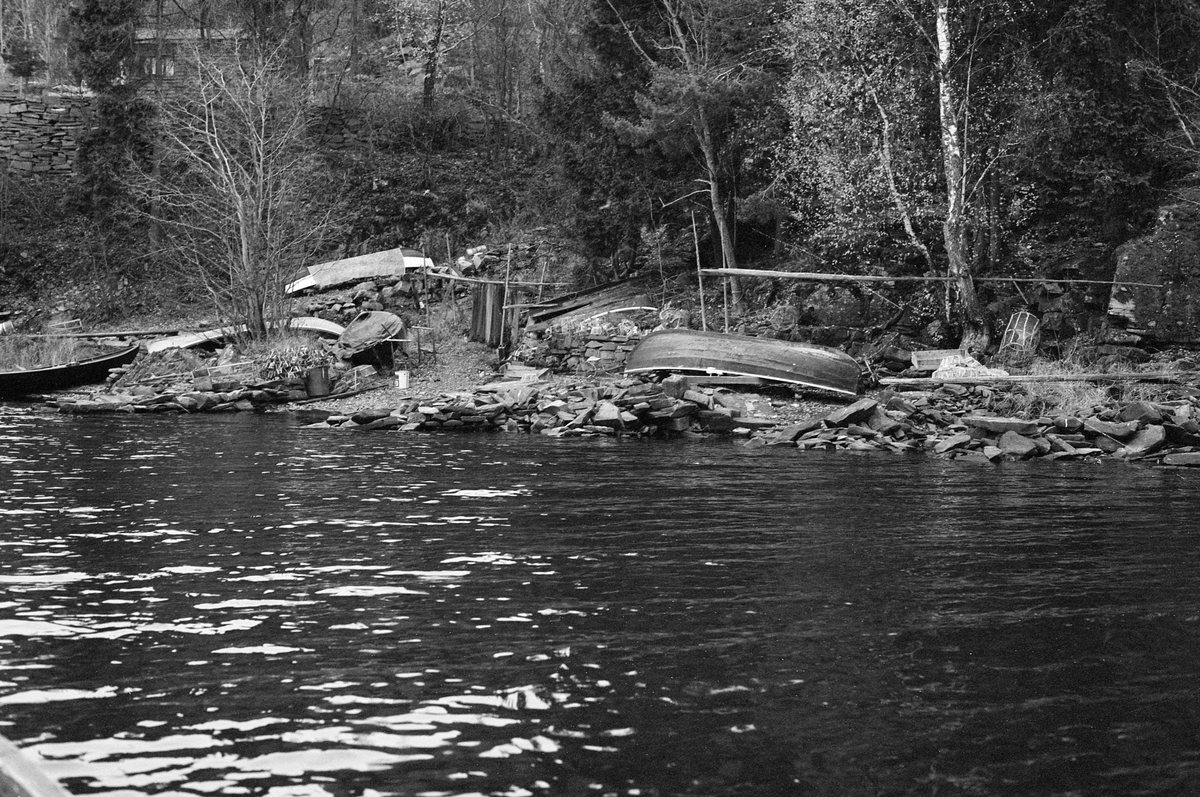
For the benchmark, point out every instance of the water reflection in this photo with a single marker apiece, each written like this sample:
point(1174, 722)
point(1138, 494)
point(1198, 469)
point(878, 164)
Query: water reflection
point(237, 605)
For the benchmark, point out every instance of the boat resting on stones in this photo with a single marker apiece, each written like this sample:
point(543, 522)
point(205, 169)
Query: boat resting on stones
point(803, 364)
point(59, 377)
point(187, 340)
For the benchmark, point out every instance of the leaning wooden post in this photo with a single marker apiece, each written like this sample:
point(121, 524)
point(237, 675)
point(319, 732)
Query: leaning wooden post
point(725, 282)
point(699, 273)
point(504, 299)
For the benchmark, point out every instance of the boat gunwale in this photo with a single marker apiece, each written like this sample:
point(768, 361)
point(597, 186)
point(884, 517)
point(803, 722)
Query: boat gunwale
point(50, 372)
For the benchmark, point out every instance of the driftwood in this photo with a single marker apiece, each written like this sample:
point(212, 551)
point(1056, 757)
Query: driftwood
point(1128, 376)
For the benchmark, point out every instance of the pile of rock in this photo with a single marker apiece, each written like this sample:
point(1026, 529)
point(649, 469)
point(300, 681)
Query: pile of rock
point(952, 422)
point(147, 400)
point(393, 294)
point(508, 259)
point(566, 410)
point(181, 380)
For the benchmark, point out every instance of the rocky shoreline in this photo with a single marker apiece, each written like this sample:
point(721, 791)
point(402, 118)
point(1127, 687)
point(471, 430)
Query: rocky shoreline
point(951, 421)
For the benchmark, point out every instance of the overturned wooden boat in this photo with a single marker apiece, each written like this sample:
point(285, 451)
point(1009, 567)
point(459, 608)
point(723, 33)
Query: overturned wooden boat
point(187, 340)
point(391, 263)
point(60, 377)
point(775, 360)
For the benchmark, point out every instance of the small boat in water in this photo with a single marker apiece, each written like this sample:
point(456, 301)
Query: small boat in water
point(776, 360)
point(21, 777)
point(60, 377)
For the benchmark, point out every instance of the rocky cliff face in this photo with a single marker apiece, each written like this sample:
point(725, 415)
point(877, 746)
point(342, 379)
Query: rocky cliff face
point(1156, 291)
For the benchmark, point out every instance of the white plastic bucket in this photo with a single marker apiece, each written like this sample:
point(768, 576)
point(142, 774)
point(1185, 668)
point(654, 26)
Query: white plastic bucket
point(402, 380)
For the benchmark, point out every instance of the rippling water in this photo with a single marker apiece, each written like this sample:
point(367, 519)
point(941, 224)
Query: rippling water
point(237, 605)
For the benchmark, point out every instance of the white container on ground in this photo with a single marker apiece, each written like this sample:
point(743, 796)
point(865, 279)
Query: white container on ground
point(402, 380)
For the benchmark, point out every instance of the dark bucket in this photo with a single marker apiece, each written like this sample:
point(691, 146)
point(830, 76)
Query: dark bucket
point(316, 381)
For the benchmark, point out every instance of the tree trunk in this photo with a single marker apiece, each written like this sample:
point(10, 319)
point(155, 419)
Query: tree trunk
point(975, 333)
point(711, 164)
point(728, 257)
point(432, 58)
point(355, 25)
point(160, 35)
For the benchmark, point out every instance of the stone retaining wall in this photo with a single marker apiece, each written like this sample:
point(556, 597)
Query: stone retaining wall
point(578, 352)
point(39, 132)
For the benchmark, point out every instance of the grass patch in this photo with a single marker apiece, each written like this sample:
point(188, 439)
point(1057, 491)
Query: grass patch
point(21, 353)
point(1080, 398)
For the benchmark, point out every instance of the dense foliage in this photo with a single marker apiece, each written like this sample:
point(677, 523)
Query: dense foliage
point(962, 137)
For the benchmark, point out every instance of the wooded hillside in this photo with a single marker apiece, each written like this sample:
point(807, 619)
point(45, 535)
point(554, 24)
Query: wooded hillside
point(950, 138)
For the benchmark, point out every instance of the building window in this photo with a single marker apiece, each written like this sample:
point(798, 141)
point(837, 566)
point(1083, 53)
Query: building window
point(164, 67)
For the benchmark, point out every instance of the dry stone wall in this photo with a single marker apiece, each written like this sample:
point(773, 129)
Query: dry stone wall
point(39, 132)
point(578, 352)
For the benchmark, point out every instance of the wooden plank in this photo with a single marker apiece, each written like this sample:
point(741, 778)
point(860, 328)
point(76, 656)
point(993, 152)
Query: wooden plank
point(1163, 376)
point(753, 381)
point(134, 333)
point(602, 296)
point(479, 281)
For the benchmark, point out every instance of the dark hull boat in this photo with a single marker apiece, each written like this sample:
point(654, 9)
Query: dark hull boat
point(776, 360)
point(60, 377)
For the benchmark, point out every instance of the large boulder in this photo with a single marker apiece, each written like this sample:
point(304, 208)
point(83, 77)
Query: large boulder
point(1169, 257)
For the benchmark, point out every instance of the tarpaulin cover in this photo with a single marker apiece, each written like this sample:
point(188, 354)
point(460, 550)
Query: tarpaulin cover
point(367, 330)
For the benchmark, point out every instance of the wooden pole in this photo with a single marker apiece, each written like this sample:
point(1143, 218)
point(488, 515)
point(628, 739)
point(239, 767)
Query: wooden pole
point(1161, 376)
point(699, 273)
point(811, 275)
point(480, 280)
point(504, 298)
point(725, 285)
point(541, 277)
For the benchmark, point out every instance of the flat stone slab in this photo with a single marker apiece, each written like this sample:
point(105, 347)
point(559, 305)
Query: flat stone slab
point(998, 426)
point(1117, 431)
point(1188, 459)
point(858, 411)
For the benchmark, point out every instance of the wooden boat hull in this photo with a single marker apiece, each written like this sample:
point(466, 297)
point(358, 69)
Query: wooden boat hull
point(391, 263)
point(778, 360)
point(60, 377)
point(188, 339)
point(21, 777)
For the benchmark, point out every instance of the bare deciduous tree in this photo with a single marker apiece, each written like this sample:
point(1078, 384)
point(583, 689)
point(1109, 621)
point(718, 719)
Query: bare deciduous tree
point(244, 200)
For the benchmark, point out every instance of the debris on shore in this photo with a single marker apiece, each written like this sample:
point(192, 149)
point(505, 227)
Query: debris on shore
point(952, 421)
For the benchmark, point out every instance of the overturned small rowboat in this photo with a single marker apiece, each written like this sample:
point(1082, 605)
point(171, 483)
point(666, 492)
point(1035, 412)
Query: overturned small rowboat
point(60, 377)
point(804, 364)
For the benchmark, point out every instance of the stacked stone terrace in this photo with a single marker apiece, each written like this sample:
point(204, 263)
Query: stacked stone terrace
point(39, 131)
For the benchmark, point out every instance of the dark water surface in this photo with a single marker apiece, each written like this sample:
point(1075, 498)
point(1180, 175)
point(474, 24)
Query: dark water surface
point(236, 605)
